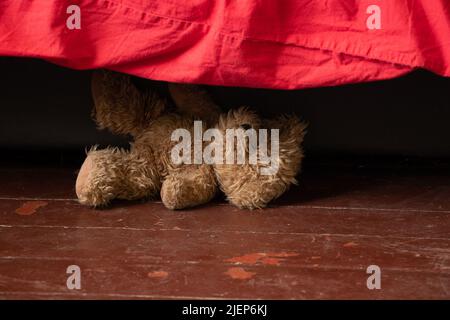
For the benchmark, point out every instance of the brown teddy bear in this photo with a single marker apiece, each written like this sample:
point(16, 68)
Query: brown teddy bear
point(148, 168)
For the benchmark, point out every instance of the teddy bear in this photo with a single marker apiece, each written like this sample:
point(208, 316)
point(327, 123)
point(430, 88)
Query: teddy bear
point(147, 168)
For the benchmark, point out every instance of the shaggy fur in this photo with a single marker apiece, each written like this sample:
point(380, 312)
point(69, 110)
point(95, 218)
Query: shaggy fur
point(146, 169)
point(243, 184)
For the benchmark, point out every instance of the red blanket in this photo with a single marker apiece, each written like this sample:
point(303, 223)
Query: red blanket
point(273, 43)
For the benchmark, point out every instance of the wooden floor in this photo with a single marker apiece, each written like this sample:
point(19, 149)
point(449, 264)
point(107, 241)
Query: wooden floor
point(315, 242)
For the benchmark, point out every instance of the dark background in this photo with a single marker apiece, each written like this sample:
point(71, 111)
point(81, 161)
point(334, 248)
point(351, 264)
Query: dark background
point(47, 107)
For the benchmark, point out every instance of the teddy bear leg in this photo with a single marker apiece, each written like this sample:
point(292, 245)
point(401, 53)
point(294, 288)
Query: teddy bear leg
point(188, 186)
point(115, 173)
point(195, 102)
point(120, 106)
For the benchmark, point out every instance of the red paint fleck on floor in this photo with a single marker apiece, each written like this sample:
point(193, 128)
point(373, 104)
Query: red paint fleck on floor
point(158, 274)
point(251, 258)
point(273, 258)
point(239, 273)
point(350, 244)
point(30, 207)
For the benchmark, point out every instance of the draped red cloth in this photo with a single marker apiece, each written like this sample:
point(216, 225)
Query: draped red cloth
point(253, 43)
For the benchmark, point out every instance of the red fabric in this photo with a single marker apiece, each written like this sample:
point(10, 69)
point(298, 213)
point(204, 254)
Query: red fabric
point(272, 43)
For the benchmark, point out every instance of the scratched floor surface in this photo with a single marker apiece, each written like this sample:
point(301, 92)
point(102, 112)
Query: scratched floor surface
point(315, 242)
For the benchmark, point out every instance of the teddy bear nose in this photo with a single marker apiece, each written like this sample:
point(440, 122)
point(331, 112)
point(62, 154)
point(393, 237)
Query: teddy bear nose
point(246, 126)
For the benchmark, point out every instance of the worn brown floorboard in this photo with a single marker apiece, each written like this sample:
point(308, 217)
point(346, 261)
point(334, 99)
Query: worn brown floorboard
point(225, 218)
point(37, 183)
point(314, 242)
point(123, 279)
point(218, 248)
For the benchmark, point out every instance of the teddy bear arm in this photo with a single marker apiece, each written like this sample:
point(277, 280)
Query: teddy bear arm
point(188, 186)
point(115, 173)
point(99, 177)
point(120, 106)
point(141, 178)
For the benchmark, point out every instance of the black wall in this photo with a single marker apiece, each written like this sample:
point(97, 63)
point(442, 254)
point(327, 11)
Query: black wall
point(43, 106)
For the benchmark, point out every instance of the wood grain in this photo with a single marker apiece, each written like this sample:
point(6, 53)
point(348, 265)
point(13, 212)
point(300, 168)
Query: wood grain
point(314, 243)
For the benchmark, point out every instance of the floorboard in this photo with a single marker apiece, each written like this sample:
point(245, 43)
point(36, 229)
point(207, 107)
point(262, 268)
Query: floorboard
point(315, 242)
